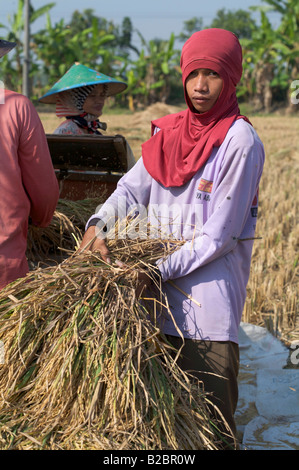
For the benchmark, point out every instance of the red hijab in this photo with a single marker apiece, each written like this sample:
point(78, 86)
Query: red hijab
point(186, 139)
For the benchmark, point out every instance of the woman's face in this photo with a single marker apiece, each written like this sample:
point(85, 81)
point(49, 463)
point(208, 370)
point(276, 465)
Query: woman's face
point(95, 101)
point(203, 87)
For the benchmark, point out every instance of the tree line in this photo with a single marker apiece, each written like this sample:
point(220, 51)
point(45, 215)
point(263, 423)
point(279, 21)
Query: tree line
point(152, 72)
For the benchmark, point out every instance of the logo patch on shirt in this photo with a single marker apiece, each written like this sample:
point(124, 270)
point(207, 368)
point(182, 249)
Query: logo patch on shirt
point(205, 185)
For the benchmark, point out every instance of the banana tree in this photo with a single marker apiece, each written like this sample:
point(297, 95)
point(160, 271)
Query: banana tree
point(57, 48)
point(271, 55)
point(149, 76)
point(264, 55)
point(11, 65)
point(289, 29)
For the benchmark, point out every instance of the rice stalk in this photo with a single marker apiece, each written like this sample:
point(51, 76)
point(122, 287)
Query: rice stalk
point(86, 366)
point(63, 233)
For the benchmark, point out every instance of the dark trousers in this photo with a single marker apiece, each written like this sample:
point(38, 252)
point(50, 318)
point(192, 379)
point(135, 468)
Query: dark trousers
point(216, 365)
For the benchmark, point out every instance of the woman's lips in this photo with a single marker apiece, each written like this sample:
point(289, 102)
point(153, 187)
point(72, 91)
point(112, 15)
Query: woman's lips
point(200, 99)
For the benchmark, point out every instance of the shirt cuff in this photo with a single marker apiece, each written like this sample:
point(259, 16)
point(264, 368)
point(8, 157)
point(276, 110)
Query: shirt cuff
point(92, 222)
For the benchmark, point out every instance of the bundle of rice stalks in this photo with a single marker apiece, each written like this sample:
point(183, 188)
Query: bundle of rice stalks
point(61, 236)
point(86, 366)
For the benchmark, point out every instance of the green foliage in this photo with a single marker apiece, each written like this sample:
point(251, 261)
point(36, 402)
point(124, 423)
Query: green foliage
point(190, 27)
point(58, 48)
point(239, 22)
point(11, 65)
point(271, 56)
point(148, 76)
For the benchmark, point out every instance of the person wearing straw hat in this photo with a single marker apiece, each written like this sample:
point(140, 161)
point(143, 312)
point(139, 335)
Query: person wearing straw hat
point(198, 179)
point(29, 187)
point(79, 97)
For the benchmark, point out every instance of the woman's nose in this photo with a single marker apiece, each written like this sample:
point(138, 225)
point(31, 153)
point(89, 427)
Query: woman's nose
point(201, 83)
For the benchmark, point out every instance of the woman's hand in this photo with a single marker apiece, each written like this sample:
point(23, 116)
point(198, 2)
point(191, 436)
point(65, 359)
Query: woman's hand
point(143, 280)
point(90, 242)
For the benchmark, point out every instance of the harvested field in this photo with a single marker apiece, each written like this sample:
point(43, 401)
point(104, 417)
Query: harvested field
point(273, 287)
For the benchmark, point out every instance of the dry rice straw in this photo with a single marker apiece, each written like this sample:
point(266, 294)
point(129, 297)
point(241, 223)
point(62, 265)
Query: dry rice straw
point(86, 366)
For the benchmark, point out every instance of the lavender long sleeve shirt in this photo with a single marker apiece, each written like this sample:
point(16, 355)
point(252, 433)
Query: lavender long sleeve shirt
point(215, 213)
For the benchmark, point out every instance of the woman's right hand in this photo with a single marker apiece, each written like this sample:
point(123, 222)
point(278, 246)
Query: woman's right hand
point(90, 242)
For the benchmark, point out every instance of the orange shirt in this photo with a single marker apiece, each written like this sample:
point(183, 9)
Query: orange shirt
point(29, 187)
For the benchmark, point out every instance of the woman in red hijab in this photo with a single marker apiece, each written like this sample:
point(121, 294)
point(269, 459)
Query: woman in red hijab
point(187, 138)
point(198, 178)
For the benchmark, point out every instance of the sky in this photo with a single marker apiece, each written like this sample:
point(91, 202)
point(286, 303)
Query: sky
point(154, 18)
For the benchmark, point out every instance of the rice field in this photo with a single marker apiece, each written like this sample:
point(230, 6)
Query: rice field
point(272, 299)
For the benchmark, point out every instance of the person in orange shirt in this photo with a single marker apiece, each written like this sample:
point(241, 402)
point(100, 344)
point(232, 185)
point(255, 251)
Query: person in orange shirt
point(29, 187)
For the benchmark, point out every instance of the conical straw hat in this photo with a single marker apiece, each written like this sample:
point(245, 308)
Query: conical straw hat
point(79, 75)
point(6, 46)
